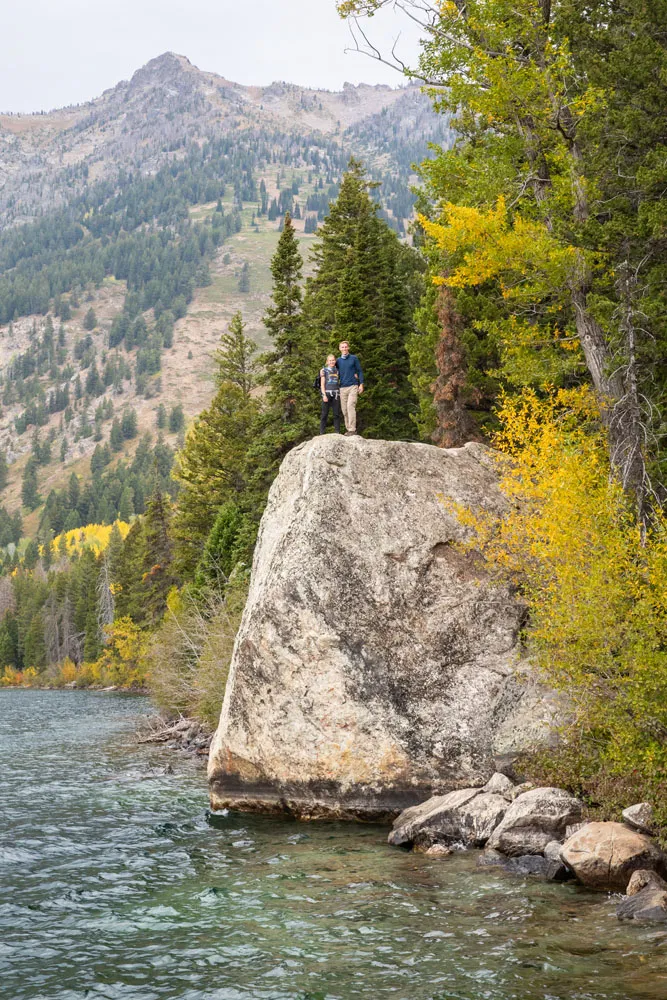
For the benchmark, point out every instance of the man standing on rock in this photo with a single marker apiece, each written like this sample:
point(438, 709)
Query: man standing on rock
point(351, 386)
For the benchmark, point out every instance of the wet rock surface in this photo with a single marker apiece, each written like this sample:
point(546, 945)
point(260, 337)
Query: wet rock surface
point(649, 904)
point(376, 665)
point(468, 816)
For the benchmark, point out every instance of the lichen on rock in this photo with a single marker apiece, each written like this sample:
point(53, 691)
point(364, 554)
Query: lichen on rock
point(377, 663)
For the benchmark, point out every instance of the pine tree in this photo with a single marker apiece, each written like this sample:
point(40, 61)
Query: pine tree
point(234, 357)
point(128, 575)
point(29, 488)
point(176, 419)
point(161, 417)
point(158, 576)
point(4, 471)
point(290, 412)
point(211, 467)
point(128, 424)
point(126, 504)
point(90, 320)
point(116, 436)
point(364, 290)
point(244, 278)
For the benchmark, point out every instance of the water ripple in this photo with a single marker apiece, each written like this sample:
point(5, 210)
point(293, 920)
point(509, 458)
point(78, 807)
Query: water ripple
point(116, 883)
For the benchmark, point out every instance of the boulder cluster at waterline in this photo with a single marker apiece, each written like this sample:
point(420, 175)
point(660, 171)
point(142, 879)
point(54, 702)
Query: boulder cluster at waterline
point(539, 831)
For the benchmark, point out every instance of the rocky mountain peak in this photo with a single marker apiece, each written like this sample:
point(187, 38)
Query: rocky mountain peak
point(166, 69)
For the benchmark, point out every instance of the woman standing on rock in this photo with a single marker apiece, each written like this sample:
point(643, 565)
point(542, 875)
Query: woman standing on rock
point(330, 387)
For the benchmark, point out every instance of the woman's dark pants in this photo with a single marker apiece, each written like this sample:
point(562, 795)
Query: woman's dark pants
point(332, 403)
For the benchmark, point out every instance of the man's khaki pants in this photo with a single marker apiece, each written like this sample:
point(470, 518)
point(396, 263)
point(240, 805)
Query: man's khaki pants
point(348, 404)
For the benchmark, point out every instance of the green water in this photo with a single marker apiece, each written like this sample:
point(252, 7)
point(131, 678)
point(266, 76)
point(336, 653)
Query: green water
point(115, 882)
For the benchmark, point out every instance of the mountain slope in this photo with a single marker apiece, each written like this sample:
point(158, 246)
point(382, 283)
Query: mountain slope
point(157, 206)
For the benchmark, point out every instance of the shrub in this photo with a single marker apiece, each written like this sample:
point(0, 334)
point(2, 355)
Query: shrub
point(596, 589)
point(189, 655)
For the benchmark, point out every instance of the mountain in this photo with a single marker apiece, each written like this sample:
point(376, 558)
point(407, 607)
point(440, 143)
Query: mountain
point(132, 228)
point(168, 104)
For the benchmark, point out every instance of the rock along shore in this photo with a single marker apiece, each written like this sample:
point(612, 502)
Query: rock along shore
point(539, 832)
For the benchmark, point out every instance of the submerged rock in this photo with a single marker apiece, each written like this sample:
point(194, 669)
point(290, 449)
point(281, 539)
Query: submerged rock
point(605, 855)
point(533, 820)
point(538, 867)
point(548, 869)
point(468, 816)
point(376, 663)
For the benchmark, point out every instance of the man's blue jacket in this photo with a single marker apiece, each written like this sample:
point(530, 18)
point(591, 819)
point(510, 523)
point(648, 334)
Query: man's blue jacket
point(349, 368)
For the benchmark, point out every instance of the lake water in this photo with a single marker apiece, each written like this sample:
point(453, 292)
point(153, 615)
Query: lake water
point(115, 882)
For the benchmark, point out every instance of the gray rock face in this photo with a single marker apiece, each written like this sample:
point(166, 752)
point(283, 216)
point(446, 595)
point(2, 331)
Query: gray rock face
point(376, 665)
point(648, 904)
point(640, 817)
point(533, 820)
point(641, 878)
point(518, 790)
point(500, 784)
point(467, 816)
point(604, 855)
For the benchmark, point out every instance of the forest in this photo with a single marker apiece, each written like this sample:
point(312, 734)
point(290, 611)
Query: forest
point(526, 310)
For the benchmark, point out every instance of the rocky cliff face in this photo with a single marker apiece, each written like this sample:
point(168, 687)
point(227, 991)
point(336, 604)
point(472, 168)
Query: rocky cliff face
point(375, 664)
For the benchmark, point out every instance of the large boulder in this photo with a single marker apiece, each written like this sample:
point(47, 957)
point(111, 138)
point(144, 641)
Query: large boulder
point(533, 820)
point(467, 816)
point(604, 855)
point(376, 664)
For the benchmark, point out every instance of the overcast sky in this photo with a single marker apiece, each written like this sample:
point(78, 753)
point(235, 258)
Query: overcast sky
point(59, 52)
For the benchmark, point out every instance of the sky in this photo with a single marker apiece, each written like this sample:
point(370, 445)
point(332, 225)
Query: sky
point(60, 52)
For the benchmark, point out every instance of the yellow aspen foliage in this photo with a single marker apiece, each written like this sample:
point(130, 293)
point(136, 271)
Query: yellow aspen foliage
point(594, 583)
point(525, 258)
point(92, 536)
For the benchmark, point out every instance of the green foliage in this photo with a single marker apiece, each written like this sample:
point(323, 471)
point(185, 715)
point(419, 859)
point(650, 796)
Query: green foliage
point(176, 419)
point(210, 467)
point(29, 487)
point(234, 357)
point(288, 415)
point(364, 290)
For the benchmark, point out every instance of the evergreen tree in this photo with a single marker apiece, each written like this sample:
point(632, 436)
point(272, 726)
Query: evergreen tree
point(290, 413)
point(128, 575)
point(158, 577)
point(126, 504)
point(211, 467)
point(116, 436)
point(176, 419)
point(364, 290)
point(244, 278)
point(235, 359)
point(161, 417)
point(29, 488)
point(90, 320)
point(4, 471)
point(128, 424)
point(220, 553)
